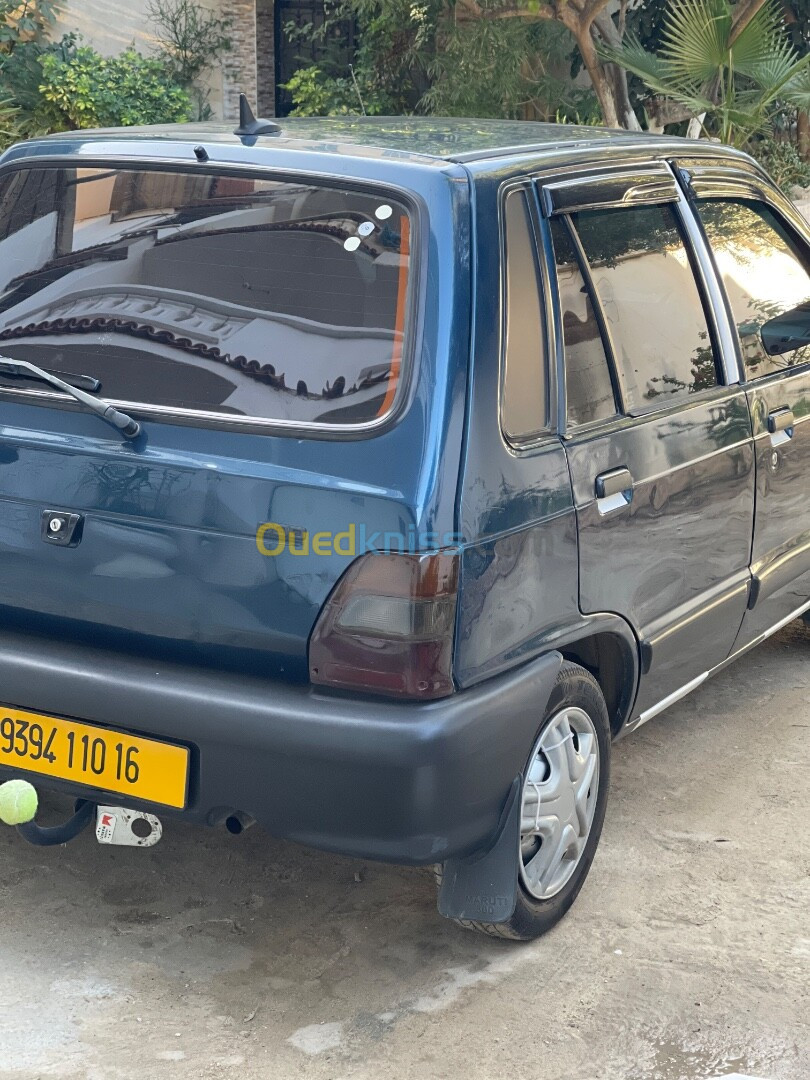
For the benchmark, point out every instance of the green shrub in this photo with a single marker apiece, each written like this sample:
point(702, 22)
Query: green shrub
point(99, 91)
point(10, 131)
point(317, 94)
point(783, 161)
point(24, 41)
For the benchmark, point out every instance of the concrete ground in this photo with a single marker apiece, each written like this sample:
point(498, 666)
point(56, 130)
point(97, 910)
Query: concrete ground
point(687, 955)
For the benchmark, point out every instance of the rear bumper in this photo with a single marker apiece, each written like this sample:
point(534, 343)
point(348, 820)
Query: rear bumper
point(409, 783)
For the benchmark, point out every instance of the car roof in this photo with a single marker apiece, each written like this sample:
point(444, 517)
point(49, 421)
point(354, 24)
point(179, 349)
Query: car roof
point(439, 139)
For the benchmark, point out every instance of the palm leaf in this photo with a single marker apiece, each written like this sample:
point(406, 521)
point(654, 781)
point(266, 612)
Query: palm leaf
point(762, 39)
point(774, 71)
point(695, 40)
point(737, 86)
point(789, 82)
point(653, 70)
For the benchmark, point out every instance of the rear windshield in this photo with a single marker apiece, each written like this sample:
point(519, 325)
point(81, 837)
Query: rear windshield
point(273, 299)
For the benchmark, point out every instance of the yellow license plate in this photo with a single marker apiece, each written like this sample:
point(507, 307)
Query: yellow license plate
point(125, 764)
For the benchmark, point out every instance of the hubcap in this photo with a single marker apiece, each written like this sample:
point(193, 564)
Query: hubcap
point(558, 802)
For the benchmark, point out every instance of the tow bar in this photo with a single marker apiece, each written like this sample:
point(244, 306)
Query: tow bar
point(116, 825)
point(59, 834)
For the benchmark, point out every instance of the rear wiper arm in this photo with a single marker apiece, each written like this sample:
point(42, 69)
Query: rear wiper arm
point(122, 422)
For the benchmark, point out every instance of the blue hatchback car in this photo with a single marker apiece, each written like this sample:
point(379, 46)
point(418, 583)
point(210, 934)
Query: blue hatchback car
point(366, 478)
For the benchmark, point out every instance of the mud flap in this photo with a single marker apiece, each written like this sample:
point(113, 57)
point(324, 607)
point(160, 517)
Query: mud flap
point(483, 887)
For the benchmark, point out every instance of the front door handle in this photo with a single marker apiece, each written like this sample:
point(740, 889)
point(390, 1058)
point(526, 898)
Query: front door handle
point(780, 425)
point(614, 490)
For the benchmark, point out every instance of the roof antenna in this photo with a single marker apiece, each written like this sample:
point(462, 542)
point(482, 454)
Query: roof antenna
point(249, 126)
point(357, 88)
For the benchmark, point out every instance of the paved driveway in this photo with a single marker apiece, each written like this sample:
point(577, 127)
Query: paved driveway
point(687, 955)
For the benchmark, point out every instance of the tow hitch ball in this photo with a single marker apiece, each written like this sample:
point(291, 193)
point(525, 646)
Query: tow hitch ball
point(114, 825)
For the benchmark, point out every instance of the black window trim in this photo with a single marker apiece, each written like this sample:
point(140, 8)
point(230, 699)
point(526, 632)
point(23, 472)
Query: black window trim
point(548, 341)
point(717, 182)
point(201, 418)
point(722, 333)
point(650, 183)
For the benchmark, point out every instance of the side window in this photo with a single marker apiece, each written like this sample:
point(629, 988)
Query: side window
point(589, 388)
point(644, 280)
point(524, 408)
point(763, 269)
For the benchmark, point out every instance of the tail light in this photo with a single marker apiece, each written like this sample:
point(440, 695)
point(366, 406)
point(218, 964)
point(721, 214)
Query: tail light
point(388, 627)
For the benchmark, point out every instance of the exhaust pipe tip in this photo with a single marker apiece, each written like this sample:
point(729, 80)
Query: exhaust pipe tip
point(237, 823)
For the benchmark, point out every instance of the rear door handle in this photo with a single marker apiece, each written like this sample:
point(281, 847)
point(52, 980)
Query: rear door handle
point(780, 425)
point(614, 490)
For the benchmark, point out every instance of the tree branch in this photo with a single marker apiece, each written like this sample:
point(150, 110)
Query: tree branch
point(591, 9)
point(665, 111)
point(605, 27)
point(744, 12)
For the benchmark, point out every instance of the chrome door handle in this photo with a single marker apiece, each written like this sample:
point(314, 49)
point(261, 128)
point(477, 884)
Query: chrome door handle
point(613, 483)
point(780, 425)
point(614, 490)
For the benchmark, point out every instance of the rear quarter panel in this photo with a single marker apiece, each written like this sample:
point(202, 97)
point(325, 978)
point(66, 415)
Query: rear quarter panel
point(519, 577)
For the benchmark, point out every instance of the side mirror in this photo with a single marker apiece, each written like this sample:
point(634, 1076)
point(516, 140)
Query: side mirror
point(788, 331)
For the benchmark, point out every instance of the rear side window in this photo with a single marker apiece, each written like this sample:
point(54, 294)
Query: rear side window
point(764, 272)
point(589, 389)
point(277, 300)
point(524, 409)
point(646, 286)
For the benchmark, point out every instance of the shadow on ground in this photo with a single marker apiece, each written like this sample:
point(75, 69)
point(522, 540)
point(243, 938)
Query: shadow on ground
point(686, 957)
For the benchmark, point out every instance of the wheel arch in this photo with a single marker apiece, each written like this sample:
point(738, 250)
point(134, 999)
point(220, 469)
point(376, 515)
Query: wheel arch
point(607, 648)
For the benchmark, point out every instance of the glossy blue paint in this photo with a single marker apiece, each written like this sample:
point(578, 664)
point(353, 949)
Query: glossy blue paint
point(181, 510)
point(168, 562)
point(167, 588)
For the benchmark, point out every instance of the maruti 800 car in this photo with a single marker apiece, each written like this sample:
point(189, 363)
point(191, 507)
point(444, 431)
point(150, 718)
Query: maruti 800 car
point(367, 478)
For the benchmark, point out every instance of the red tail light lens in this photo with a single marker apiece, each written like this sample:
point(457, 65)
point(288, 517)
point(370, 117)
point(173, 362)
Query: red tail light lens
point(388, 627)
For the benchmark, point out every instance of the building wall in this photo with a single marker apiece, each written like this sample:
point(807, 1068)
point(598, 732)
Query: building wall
point(240, 64)
point(112, 25)
point(266, 56)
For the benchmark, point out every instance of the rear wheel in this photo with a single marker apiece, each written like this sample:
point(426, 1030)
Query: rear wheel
point(563, 803)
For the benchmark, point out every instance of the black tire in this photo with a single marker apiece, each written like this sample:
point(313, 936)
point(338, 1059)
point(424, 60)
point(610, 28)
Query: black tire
point(577, 688)
point(806, 617)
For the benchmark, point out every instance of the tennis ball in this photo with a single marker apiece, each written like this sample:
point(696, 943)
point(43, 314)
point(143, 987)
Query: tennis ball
point(18, 802)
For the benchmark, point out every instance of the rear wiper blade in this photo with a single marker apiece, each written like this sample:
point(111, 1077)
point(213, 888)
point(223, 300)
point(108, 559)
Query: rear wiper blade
point(121, 421)
point(84, 382)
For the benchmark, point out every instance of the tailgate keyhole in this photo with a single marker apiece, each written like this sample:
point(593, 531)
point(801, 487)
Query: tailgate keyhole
point(61, 527)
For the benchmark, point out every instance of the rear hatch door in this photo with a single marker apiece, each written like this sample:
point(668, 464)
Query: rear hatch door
point(259, 328)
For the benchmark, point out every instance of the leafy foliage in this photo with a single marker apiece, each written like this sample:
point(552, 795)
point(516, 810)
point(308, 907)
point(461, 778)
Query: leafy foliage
point(9, 123)
point(92, 90)
point(736, 83)
point(23, 45)
point(190, 39)
point(519, 69)
point(23, 22)
point(416, 56)
point(389, 64)
point(783, 161)
point(317, 94)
